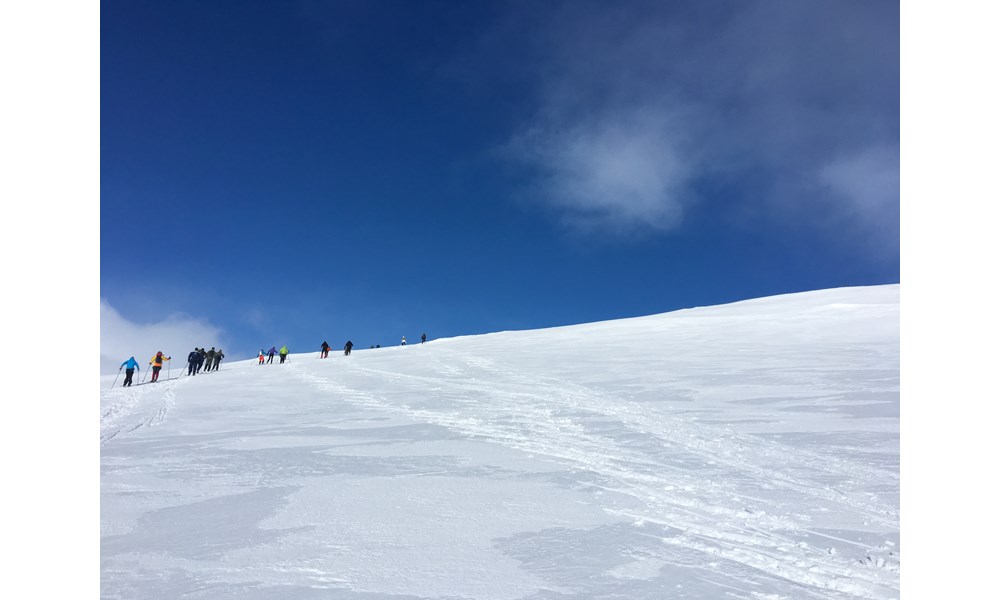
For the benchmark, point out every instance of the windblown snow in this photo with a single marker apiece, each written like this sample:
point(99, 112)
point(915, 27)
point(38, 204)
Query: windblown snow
point(749, 450)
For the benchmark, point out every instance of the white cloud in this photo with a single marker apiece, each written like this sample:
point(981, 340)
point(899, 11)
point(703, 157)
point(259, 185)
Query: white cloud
point(867, 180)
point(622, 171)
point(755, 114)
point(175, 335)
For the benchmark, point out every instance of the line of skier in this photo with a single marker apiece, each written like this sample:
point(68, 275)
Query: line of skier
point(283, 354)
point(130, 365)
point(423, 338)
point(324, 349)
point(210, 360)
point(199, 359)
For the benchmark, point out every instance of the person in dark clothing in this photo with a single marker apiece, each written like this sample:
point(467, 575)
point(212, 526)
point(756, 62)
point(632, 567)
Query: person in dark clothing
point(347, 347)
point(130, 366)
point(378, 345)
point(193, 362)
point(324, 350)
point(209, 358)
point(218, 358)
point(423, 338)
point(270, 355)
point(201, 360)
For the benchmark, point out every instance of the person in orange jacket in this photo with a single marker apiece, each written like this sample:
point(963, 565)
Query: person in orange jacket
point(157, 362)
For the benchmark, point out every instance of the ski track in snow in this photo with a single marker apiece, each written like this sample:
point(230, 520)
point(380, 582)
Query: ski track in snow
point(709, 523)
point(136, 407)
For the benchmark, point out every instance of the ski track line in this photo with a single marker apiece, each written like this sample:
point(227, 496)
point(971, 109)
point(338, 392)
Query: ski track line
point(706, 442)
point(132, 400)
point(615, 405)
point(715, 445)
point(540, 431)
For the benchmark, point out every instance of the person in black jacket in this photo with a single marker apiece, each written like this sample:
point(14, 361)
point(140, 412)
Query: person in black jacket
point(193, 362)
point(324, 350)
point(347, 347)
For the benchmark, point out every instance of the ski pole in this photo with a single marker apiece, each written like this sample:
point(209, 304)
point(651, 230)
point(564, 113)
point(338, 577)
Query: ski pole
point(116, 378)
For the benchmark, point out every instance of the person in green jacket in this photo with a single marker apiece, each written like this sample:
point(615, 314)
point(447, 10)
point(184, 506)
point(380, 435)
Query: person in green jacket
point(283, 353)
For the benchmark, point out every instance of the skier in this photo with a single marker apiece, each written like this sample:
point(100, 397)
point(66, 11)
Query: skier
point(260, 357)
point(193, 361)
point(423, 338)
point(404, 340)
point(283, 353)
point(157, 362)
point(218, 358)
point(324, 350)
point(130, 366)
point(209, 358)
point(270, 355)
point(347, 347)
point(201, 360)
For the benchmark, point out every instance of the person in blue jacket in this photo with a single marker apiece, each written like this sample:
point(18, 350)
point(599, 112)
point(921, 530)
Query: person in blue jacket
point(130, 366)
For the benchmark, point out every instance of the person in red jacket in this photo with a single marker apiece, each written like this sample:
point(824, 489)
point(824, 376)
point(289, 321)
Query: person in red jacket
point(157, 362)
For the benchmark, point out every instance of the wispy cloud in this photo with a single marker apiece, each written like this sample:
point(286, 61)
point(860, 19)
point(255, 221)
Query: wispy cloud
point(620, 170)
point(638, 103)
point(175, 335)
point(868, 181)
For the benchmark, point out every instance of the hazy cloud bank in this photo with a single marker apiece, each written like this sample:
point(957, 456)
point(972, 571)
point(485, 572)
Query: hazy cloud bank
point(175, 335)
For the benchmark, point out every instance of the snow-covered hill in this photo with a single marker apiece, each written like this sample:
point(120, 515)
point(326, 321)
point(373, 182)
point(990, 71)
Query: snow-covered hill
point(742, 451)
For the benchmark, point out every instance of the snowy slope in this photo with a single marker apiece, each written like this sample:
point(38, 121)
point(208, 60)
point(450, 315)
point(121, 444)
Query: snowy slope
point(742, 451)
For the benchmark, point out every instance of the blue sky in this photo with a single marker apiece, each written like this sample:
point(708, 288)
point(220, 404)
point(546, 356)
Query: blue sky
point(293, 172)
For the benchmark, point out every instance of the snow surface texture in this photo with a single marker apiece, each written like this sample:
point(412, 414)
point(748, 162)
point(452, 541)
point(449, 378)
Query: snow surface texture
point(742, 451)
